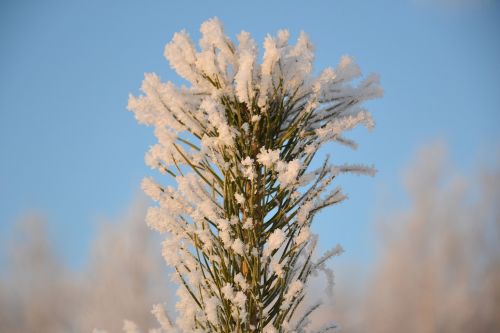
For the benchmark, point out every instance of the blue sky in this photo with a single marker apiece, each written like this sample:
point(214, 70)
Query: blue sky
point(71, 151)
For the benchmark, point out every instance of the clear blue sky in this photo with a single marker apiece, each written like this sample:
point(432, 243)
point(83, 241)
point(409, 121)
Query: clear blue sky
point(70, 150)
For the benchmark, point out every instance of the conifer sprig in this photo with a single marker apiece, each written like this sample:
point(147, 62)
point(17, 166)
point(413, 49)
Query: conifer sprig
point(238, 141)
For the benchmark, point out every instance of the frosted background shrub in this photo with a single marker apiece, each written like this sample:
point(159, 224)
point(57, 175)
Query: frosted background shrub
point(122, 277)
point(438, 262)
point(238, 141)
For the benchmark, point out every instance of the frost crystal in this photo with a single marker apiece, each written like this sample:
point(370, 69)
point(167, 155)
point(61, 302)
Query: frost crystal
point(238, 247)
point(276, 239)
point(268, 157)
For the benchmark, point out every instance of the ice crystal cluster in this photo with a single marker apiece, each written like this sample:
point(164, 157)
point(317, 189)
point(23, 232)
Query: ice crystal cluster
point(238, 141)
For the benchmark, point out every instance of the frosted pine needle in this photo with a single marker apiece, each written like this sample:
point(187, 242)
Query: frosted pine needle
point(238, 142)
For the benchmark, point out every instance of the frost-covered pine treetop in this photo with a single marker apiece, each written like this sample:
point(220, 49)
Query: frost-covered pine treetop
point(238, 140)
